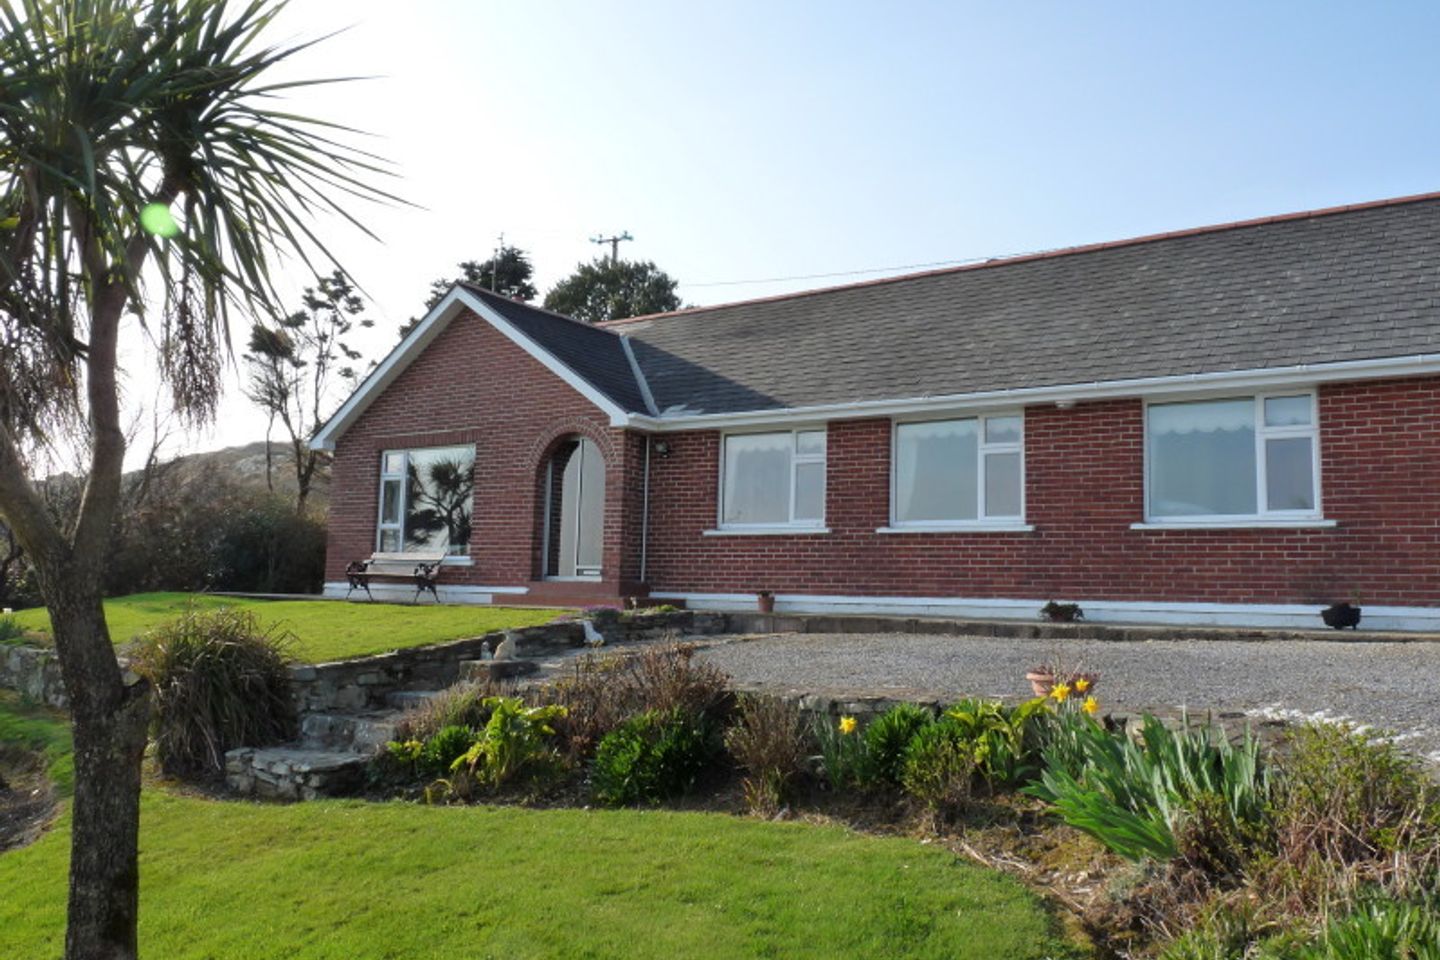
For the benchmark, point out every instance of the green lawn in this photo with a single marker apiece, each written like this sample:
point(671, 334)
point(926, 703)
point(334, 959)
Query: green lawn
point(353, 881)
point(324, 629)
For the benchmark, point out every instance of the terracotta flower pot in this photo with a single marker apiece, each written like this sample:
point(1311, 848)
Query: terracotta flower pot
point(1040, 682)
point(766, 601)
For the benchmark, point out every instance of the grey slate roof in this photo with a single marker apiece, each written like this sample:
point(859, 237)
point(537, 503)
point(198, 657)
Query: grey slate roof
point(1313, 289)
point(597, 355)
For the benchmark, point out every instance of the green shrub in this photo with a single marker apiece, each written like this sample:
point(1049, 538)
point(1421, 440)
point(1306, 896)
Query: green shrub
point(515, 743)
point(1003, 741)
point(939, 767)
point(1131, 796)
point(10, 631)
point(768, 742)
point(221, 681)
point(652, 757)
point(844, 752)
point(439, 753)
point(889, 735)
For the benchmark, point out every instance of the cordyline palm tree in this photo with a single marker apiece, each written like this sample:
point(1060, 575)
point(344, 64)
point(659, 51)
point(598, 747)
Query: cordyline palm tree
point(112, 114)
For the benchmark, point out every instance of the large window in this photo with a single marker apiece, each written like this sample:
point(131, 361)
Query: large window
point(773, 479)
point(960, 472)
point(426, 500)
point(1239, 458)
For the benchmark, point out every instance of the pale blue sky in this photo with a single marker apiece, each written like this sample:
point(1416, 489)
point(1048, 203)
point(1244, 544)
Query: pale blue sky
point(752, 140)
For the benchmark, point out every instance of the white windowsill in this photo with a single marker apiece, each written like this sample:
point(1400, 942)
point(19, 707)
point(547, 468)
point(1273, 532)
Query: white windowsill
point(774, 530)
point(1310, 524)
point(457, 562)
point(958, 528)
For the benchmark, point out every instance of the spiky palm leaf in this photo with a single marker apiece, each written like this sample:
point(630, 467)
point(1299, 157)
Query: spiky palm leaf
point(107, 106)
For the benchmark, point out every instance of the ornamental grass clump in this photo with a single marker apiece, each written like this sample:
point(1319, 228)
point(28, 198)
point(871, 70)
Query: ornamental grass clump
point(221, 681)
point(767, 741)
point(1132, 796)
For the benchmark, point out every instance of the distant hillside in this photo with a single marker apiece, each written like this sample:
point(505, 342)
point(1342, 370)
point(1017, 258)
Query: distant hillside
point(245, 466)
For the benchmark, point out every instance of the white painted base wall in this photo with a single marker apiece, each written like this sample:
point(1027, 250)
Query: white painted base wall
point(405, 593)
point(1296, 616)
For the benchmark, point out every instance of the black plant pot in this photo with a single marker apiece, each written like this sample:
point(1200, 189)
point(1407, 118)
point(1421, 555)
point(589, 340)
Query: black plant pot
point(1341, 615)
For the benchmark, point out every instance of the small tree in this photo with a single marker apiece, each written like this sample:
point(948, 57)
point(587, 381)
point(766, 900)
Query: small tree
point(295, 365)
point(613, 290)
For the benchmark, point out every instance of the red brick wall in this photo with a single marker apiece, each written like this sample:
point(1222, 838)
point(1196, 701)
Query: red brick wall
point(472, 385)
point(1380, 445)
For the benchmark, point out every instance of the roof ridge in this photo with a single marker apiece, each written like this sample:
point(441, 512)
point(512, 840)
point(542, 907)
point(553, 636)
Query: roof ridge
point(1045, 255)
point(476, 288)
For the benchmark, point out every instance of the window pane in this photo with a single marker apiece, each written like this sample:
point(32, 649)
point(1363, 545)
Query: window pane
point(809, 491)
point(390, 501)
point(810, 441)
point(1202, 458)
point(440, 499)
point(757, 478)
point(394, 463)
point(1287, 411)
point(935, 471)
point(590, 539)
point(1289, 474)
point(1002, 485)
point(1002, 429)
point(389, 541)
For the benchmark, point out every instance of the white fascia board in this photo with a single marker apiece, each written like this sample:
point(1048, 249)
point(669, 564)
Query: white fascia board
point(1196, 383)
point(427, 330)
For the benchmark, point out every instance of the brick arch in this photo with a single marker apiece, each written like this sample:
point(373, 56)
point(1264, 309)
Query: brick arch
point(550, 436)
point(548, 440)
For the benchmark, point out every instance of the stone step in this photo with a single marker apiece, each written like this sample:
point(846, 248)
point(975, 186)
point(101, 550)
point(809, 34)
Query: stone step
point(409, 699)
point(293, 772)
point(480, 670)
point(364, 734)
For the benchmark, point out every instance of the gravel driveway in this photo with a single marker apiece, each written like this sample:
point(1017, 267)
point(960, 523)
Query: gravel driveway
point(1388, 685)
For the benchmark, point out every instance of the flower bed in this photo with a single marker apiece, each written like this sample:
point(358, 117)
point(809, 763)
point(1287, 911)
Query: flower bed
point(1153, 836)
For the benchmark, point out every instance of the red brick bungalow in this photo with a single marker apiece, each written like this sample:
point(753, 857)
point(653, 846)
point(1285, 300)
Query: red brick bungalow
point(1236, 424)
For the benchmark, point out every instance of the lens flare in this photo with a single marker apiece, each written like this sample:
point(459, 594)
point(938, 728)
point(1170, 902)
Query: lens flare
point(156, 219)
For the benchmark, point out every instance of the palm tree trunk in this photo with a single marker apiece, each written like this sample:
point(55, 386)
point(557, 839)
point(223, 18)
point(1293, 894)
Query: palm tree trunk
point(110, 723)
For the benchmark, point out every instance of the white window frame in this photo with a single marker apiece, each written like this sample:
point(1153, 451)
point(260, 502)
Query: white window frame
point(452, 559)
point(982, 522)
point(796, 458)
point(1264, 516)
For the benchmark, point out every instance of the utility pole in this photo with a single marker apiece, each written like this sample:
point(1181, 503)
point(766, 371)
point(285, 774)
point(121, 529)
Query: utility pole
point(614, 243)
point(495, 260)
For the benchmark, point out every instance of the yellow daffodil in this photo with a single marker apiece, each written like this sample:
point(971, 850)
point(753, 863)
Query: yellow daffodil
point(1060, 691)
point(1082, 684)
point(847, 725)
point(1090, 705)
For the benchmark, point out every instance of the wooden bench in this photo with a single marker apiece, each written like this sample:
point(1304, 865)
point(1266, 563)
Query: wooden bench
point(421, 569)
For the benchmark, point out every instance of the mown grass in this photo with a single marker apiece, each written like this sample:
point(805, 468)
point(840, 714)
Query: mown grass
point(40, 731)
point(324, 630)
point(353, 880)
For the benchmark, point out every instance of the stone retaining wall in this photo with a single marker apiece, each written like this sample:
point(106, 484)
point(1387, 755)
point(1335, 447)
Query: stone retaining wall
point(34, 672)
point(365, 683)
